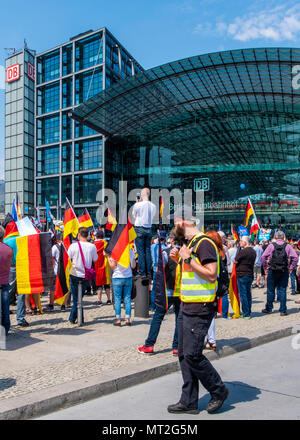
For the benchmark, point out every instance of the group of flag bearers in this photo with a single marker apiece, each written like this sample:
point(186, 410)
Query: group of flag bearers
point(34, 265)
point(34, 262)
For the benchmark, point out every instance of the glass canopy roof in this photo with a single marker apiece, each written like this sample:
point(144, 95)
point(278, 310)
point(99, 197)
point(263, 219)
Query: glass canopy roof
point(233, 114)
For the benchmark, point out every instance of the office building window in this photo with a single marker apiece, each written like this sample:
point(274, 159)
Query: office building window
point(82, 130)
point(48, 161)
point(66, 127)
point(66, 188)
point(86, 187)
point(48, 67)
point(88, 154)
point(67, 92)
point(66, 158)
point(87, 85)
point(67, 61)
point(48, 99)
point(89, 52)
point(48, 130)
point(47, 189)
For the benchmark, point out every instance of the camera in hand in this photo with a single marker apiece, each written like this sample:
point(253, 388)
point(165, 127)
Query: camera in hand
point(138, 196)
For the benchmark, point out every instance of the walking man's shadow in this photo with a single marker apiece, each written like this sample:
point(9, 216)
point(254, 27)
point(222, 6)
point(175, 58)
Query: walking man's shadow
point(239, 392)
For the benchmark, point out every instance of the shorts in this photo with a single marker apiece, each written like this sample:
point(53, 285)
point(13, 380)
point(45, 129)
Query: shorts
point(106, 286)
point(257, 270)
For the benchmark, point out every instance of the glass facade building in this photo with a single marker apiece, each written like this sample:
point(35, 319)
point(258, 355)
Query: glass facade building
point(19, 132)
point(48, 154)
point(227, 123)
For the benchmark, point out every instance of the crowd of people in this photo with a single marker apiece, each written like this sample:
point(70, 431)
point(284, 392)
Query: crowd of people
point(198, 267)
point(264, 264)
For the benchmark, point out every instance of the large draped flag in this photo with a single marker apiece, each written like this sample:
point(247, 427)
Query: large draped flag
point(119, 244)
point(71, 224)
point(34, 265)
point(11, 229)
point(161, 296)
point(111, 221)
point(234, 293)
point(85, 220)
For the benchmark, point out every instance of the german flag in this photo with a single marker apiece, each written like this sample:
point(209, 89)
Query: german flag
point(85, 220)
point(11, 229)
point(249, 213)
point(111, 221)
point(62, 282)
point(234, 293)
point(34, 265)
point(71, 224)
point(234, 234)
point(119, 244)
point(161, 208)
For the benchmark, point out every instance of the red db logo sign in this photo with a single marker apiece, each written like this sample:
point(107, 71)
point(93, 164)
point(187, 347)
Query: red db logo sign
point(31, 71)
point(13, 73)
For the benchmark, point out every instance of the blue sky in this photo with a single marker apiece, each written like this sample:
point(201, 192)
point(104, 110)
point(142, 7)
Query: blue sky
point(153, 31)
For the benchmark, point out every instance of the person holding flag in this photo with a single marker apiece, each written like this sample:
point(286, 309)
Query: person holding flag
point(245, 259)
point(121, 258)
point(102, 268)
point(82, 255)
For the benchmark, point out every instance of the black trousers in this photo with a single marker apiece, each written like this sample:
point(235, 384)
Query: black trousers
point(195, 367)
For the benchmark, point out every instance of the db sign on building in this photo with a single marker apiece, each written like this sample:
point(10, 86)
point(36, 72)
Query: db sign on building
point(13, 73)
point(31, 71)
point(201, 184)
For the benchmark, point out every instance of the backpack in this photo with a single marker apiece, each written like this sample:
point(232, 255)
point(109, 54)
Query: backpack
point(223, 279)
point(279, 259)
point(170, 270)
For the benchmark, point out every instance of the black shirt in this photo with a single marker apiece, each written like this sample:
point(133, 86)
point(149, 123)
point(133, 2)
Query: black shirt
point(245, 259)
point(206, 254)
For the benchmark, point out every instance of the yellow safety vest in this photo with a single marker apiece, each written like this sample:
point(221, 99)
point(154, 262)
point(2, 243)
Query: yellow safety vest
point(189, 285)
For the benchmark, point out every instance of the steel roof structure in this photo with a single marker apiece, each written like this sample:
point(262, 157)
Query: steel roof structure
point(232, 111)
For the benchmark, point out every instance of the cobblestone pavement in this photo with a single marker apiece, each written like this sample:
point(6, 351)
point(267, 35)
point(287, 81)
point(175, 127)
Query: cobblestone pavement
point(51, 351)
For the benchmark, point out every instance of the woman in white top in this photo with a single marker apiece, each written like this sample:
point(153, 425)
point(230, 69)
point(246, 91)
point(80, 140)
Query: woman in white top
point(122, 286)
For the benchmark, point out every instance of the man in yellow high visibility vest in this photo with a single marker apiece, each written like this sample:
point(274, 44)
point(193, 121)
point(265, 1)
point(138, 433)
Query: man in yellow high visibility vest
point(197, 282)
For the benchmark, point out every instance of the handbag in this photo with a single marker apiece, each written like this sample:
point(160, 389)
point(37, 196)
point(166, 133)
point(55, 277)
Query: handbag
point(89, 274)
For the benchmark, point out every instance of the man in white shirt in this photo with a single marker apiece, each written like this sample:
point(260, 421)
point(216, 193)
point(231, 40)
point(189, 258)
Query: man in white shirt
point(143, 213)
point(77, 272)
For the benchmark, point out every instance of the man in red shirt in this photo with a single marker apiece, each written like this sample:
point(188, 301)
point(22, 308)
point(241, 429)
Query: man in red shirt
point(6, 255)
